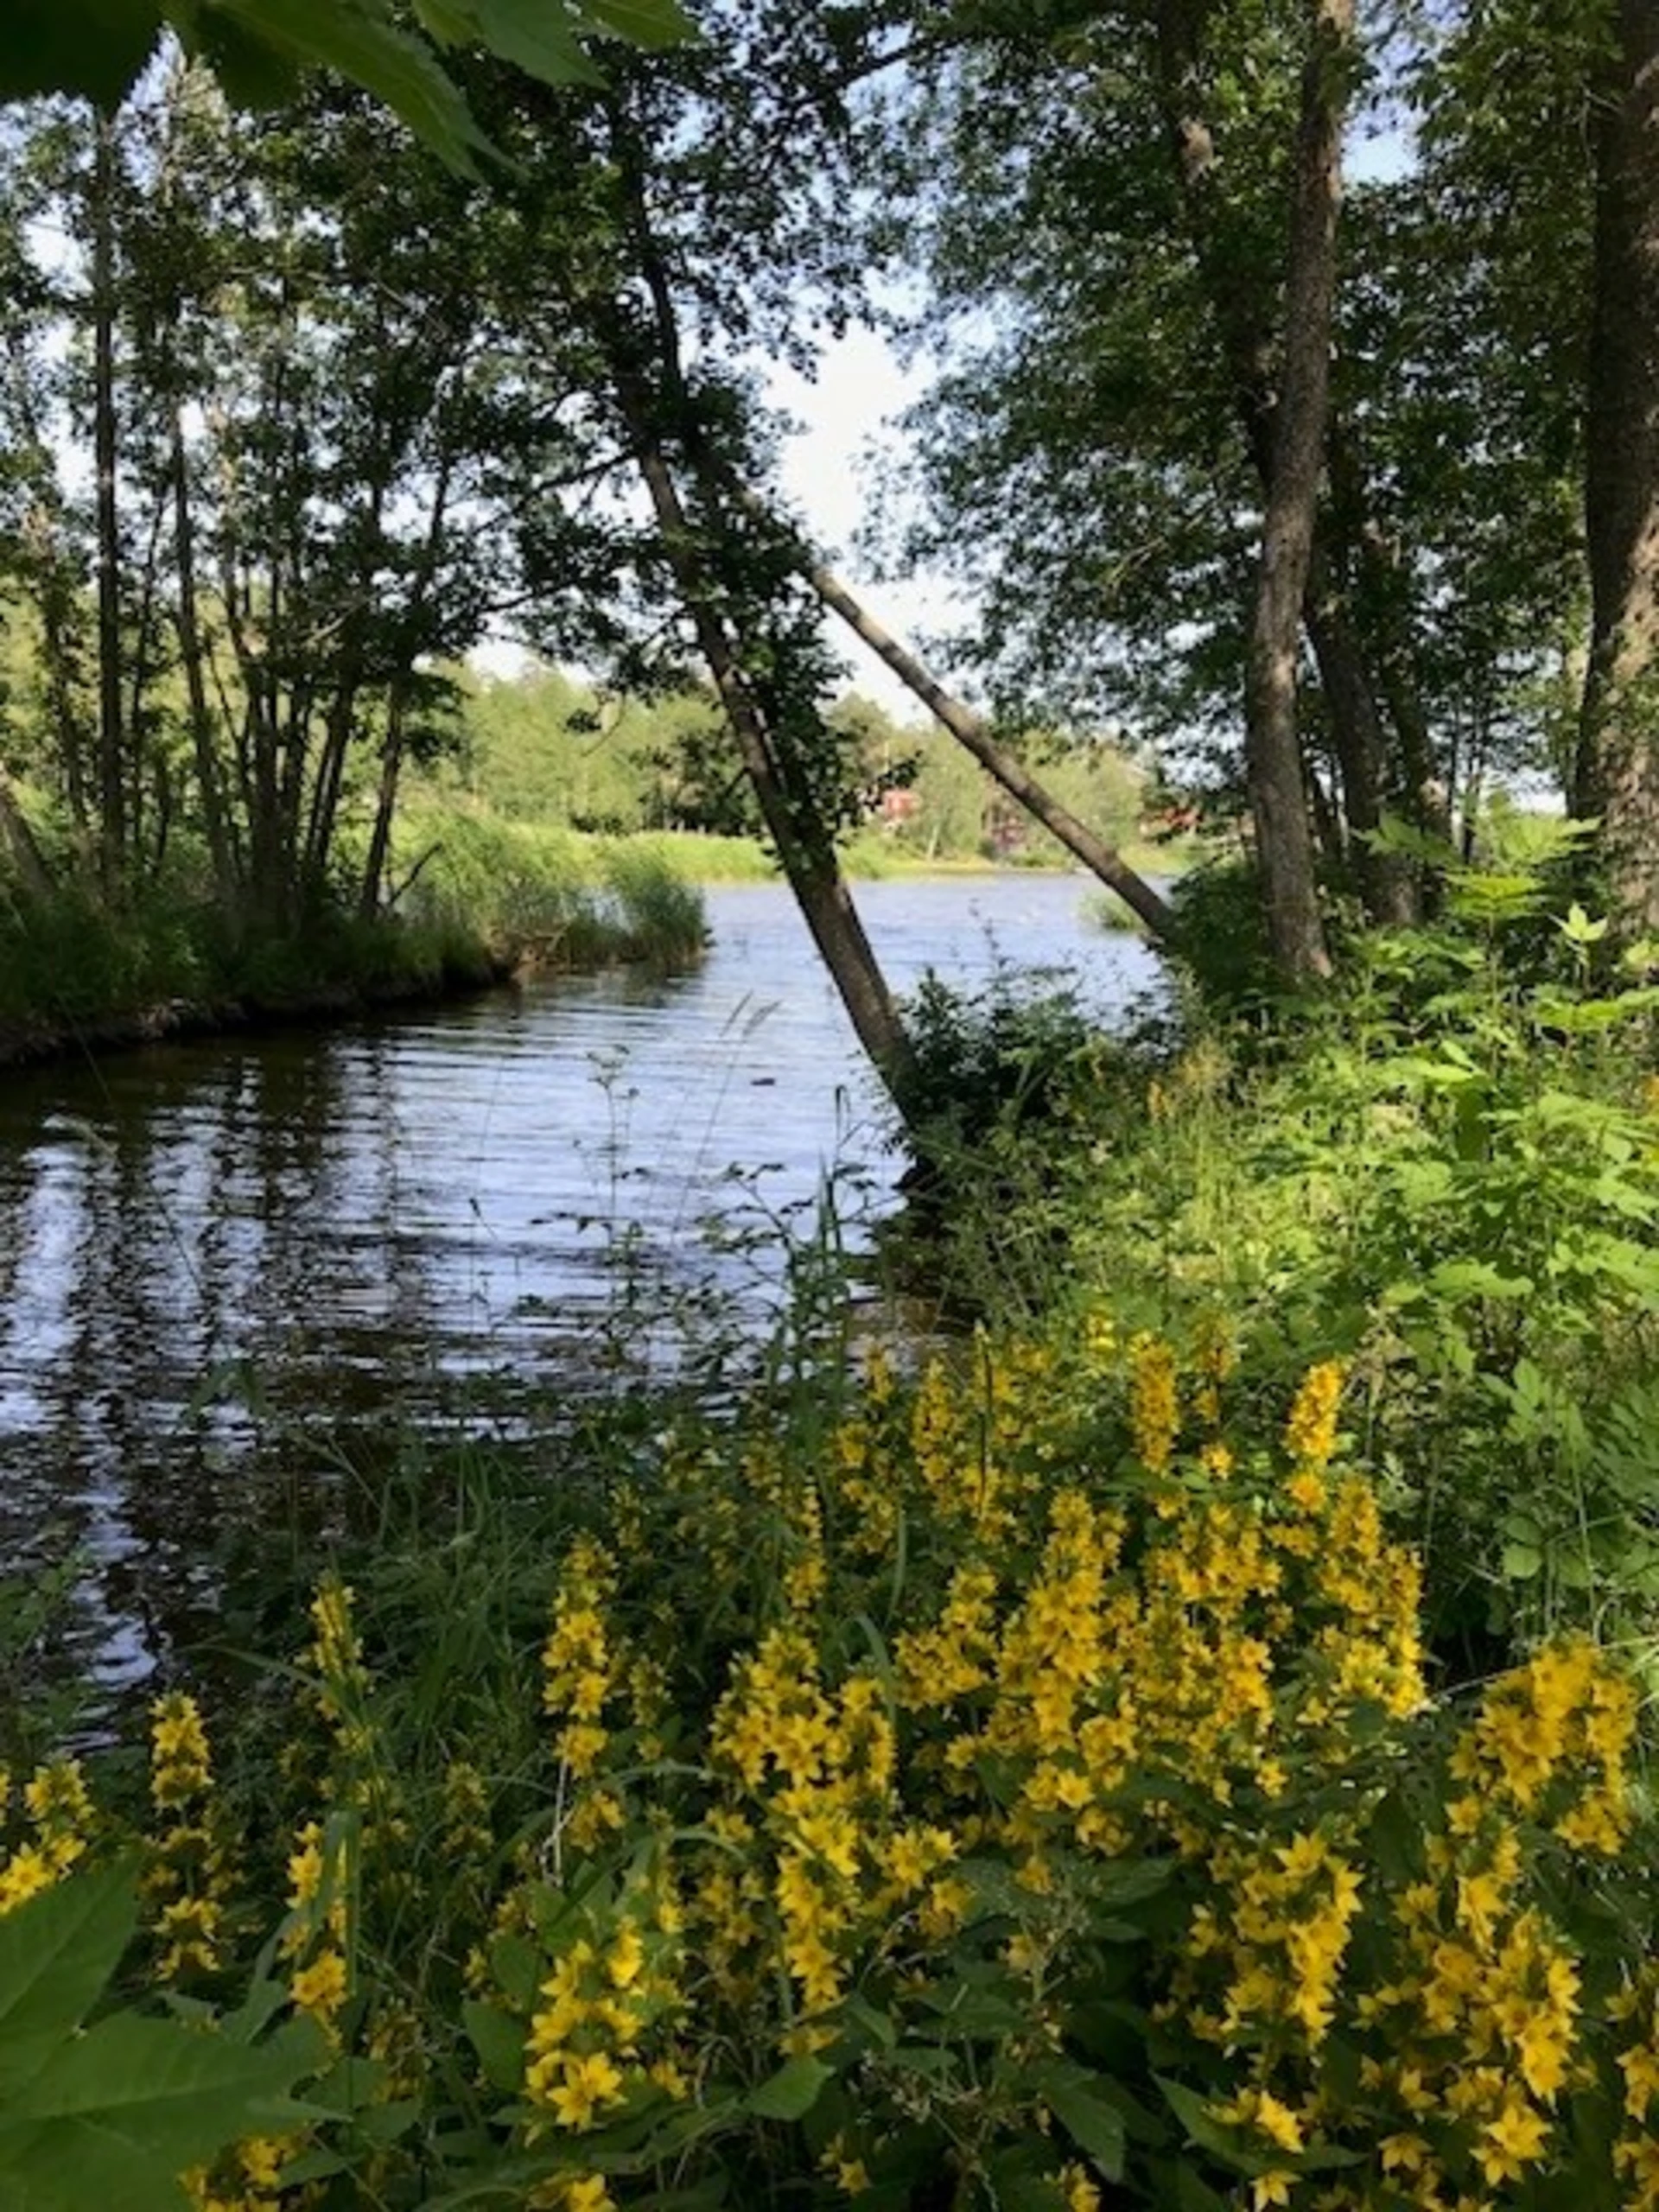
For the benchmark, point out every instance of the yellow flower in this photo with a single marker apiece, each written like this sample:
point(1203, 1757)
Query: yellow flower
point(26, 1873)
point(586, 2086)
point(1512, 2142)
point(1079, 2191)
point(1154, 1414)
point(319, 1988)
point(1310, 1431)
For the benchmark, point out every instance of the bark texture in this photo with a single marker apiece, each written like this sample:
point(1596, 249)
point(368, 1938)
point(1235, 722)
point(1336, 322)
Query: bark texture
point(1278, 801)
point(1619, 759)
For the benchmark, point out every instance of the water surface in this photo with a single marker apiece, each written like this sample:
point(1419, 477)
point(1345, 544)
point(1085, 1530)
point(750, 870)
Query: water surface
point(217, 1258)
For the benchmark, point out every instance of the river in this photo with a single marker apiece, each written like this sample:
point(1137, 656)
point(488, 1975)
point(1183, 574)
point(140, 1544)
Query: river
point(219, 1258)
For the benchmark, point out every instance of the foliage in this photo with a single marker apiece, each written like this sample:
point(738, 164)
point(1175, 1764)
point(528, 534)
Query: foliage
point(111, 2105)
point(259, 49)
point(1445, 1172)
point(1014, 1785)
point(487, 899)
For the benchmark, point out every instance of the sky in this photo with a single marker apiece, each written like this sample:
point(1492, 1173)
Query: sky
point(828, 471)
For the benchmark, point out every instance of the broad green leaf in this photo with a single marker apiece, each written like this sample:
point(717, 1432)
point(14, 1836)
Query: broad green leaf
point(95, 48)
point(648, 23)
point(359, 39)
point(1073, 2094)
point(120, 2112)
point(1203, 2128)
point(792, 2090)
point(538, 39)
point(250, 73)
point(58, 1951)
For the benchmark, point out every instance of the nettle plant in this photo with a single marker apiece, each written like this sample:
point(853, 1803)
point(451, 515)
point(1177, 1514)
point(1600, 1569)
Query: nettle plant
point(1507, 1244)
point(1026, 1790)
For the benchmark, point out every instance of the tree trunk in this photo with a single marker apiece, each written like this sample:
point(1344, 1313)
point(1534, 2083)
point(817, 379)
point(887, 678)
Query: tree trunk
point(209, 782)
point(391, 752)
point(1237, 301)
point(805, 850)
point(111, 747)
point(1617, 769)
point(806, 847)
point(970, 731)
point(1273, 761)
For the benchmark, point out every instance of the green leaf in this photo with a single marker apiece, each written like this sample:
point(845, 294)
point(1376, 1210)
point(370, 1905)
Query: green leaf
point(541, 40)
point(58, 1951)
point(649, 23)
point(1202, 2127)
point(120, 2112)
point(1073, 2095)
point(249, 74)
point(359, 39)
point(500, 2041)
point(792, 2090)
point(95, 48)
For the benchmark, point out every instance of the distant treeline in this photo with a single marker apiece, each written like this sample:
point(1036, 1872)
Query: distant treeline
point(545, 746)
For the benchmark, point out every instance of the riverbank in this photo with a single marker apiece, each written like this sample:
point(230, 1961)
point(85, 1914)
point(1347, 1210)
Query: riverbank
point(81, 973)
point(1082, 1762)
point(478, 900)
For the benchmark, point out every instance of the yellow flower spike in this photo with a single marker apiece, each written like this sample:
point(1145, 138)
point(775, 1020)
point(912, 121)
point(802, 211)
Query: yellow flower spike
point(1079, 2191)
point(1154, 1410)
point(25, 1874)
point(1311, 1431)
point(320, 1989)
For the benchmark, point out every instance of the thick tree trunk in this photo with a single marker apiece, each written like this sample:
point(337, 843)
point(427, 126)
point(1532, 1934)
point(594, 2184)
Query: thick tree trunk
point(1618, 774)
point(971, 731)
point(111, 746)
point(1278, 801)
point(1236, 300)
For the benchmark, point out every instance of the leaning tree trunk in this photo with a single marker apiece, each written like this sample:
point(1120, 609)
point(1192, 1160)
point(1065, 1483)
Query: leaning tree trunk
point(1618, 777)
point(1274, 760)
point(971, 731)
point(805, 851)
point(805, 846)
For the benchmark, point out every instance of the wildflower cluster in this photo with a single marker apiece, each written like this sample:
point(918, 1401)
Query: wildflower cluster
point(1062, 1810)
point(599, 2038)
point(812, 1775)
point(59, 1816)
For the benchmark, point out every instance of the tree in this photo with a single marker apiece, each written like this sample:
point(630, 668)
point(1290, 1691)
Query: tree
point(1099, 196)
point(1284, 841)
point(1618, 754)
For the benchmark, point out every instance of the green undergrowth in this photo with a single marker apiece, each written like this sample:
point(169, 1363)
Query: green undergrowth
point(483, 901)
point(1444, 1172)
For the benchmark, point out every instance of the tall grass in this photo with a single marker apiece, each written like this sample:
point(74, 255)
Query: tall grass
point(479, 899)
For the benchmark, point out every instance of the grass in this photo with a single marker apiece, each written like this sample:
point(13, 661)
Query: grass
point(486, 899)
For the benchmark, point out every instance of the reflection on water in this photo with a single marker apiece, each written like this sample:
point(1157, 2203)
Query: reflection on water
point(212, 1256)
